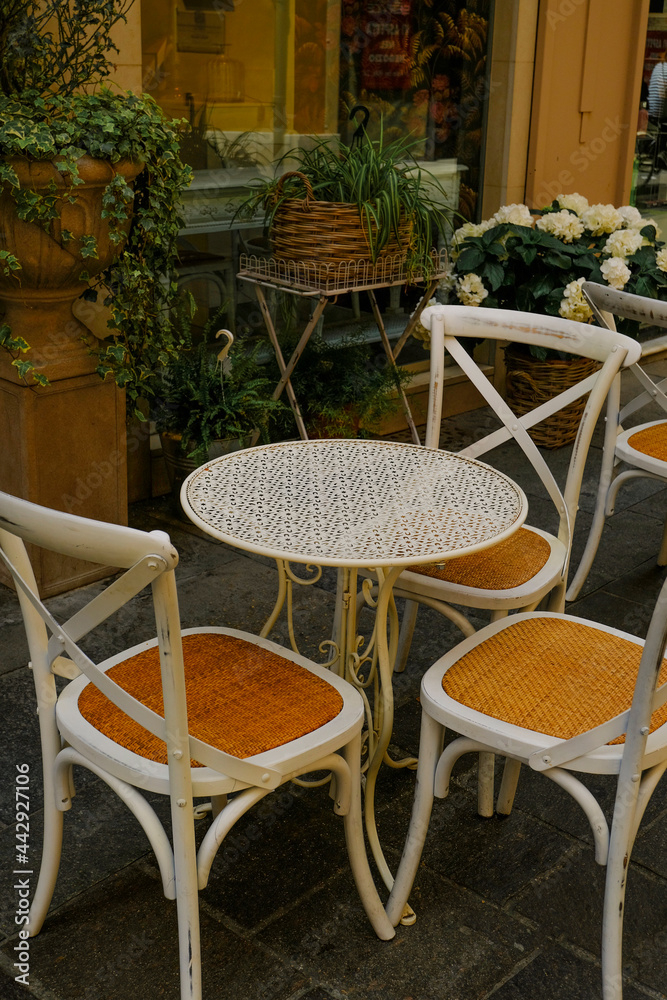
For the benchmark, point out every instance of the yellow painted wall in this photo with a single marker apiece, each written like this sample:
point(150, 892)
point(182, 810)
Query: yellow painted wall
point(128, 72)
point(585, 99)
point(510, 98)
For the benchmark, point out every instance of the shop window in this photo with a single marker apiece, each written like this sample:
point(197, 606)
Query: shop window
point(420, 67)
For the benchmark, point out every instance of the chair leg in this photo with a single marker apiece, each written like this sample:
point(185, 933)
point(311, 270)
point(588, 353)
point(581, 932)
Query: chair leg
point(53, 824)
point(508, 785)
point(354, 838)
point(485, 784)
point(405, 635)
point(556, 600)
point(618, 863)
point(187, 899)
point(430, 748)
point(48, 870)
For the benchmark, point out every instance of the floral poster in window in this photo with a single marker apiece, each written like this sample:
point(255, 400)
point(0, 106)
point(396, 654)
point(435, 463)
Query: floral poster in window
point(385, 61)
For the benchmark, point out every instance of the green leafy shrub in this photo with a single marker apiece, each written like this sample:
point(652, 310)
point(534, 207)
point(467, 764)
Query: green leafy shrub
point(341, 386)
point(516, 261)
point(205, 400)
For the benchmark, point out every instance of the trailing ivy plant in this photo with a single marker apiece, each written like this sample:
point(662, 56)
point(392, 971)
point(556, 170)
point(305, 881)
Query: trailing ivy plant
point(54, 106)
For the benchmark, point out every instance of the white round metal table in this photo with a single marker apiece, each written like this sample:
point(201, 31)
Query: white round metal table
point(355, 504)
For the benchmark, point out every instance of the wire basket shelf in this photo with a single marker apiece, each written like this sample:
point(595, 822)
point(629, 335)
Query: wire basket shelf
point(311, 278)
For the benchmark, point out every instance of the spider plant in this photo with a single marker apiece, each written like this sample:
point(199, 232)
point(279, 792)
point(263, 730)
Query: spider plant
point(382, 179)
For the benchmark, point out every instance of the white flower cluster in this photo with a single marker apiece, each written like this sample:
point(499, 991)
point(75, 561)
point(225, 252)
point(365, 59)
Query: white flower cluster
point(612, 235)
point(623, 242)
point(632, 217)
point(615, 272)
point(563, 225)
point(470, 290)
point(573, 304)
point(447, 281)
point(467, 230)
point(599, 219)
point(575, 202)
point(517, 215)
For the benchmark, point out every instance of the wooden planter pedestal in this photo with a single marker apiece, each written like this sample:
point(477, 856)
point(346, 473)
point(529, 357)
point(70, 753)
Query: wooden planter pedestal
point(64, 447)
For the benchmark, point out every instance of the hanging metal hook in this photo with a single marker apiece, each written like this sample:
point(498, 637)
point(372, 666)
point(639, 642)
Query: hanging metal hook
point(225, 351)
point(360, 132)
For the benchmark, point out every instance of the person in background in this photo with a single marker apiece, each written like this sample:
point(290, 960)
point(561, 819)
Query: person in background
point(657, 89)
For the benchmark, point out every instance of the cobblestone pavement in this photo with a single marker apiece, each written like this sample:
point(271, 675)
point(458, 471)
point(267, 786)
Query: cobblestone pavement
point(505, 908)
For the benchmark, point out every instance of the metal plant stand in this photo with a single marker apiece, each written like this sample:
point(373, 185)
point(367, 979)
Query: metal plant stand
point(325, 282)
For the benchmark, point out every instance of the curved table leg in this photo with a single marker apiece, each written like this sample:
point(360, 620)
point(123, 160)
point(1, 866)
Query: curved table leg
point(386, 652)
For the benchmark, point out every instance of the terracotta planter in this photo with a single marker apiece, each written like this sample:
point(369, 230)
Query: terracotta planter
point(346, 426)
point(38, 299)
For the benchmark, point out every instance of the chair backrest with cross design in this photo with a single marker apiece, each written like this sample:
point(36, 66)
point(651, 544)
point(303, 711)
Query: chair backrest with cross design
point(641, 448)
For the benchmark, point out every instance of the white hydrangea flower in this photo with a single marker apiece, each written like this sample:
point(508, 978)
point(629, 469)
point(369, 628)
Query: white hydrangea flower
point(563, 225)
point(467, 230)
point(623, 242)
point(470, 290)
point(518, 215)
point(576, 202)
point(615, 272)
point(632, 217)
point(599, 219)
point(472, 229)
point(573, 305)
point(661, 259)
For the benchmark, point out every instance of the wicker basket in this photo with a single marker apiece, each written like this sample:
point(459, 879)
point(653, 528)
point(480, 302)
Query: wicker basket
point(328, 232)
point(531, 382)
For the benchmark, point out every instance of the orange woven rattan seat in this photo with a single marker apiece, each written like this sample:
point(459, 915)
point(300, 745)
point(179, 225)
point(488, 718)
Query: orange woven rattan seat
point(500, 567)
point(651, 441)
point(242, 699)
point(553, 676)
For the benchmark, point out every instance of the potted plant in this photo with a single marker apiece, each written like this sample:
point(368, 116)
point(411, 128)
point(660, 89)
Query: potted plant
point(210, 404)
point(537, 262)
point(338, 204)
point(91, 183)
point(342, 390)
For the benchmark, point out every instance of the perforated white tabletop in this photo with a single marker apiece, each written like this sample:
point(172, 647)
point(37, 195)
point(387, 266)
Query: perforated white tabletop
point(353, 502)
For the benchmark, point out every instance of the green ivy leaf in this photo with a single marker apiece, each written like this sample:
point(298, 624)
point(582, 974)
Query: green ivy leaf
point(88, 246)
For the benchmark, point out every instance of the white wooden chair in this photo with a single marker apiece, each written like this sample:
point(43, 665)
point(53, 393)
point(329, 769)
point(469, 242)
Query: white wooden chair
point(241, 715)
point(557, 693)
point(532, 564)
point(642, 449)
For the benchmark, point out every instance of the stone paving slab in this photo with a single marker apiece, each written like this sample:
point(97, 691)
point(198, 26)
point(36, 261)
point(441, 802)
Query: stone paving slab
point(558, 974)
point(509, 909)
point(464, 948)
